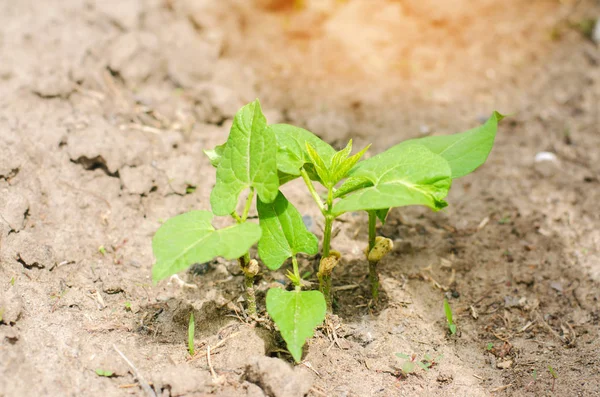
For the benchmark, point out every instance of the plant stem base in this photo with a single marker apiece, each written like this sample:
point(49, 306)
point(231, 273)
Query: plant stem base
point(250, 295)
point(374, 279)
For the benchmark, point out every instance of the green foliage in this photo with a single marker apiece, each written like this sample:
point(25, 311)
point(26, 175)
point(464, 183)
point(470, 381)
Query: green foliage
point(258, 158)
point(190, 238)
point(296, 313)
point(409, 175)
point(411, 363)
point(248, 161)
point(448, 312)
point(102, 372)
point(552, 372)
point(215, 155)
point(330, 173)
point(191, 331)
point(283, 233)
point(465, 151)
point(292, 152)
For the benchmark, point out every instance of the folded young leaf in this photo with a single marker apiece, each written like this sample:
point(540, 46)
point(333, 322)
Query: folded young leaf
point(322, 168)
point(406, 175)
point(340, 156)
point(296, 313)
point(464, 151)
point(291, 148)
point(190, 238)
point(341, 170)
point(248, 160)
point(215, 155)
point(283, 233)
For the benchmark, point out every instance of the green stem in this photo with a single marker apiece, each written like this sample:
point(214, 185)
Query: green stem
point(244, 261)
point(296, 273)
point(236, 217)
point(372, 231)
point(373, 275)
point(251, 296)
point(327, 235)
point(325, 288)
point(325, 278)
point(312, 190)
point(248, 204)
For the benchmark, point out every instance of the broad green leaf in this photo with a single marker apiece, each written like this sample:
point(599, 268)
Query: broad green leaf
point(215, 155)
point(283, 233)
point(296, 313)
point(291, 148)
point(403, 356)
point(464, 151)
point(249, 160)
point(190, 238)
point(322, 169)
point(413, 175)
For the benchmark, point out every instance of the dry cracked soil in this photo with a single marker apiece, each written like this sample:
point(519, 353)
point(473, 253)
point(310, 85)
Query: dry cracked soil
point(106, 106)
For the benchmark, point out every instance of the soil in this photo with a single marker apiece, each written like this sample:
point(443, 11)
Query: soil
point(105, 107)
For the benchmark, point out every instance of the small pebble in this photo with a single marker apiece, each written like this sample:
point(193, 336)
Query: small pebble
point(504, 364)
point(545, 156)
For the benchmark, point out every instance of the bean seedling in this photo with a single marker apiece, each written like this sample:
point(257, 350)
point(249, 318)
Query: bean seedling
point(259, 158)
point(411, 363)
point(191, 332)
point(450, 321)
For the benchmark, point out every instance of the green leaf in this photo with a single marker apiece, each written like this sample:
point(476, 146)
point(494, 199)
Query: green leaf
point(341, 170)
point(296, 313)
point(191, 332)
point(283, 232)
point(413, 175)
point(340, 156)
point(424, 366)
point(408, 367)
point(382, 214)
point(102, 372)
point(215, 155)
point(402, 355)
point(448, 311)
point(350, 185)
point(452, 328)
point(190, 238)
point(320, 167)
point(291, 148)
point(248, 160)
point(464, 151)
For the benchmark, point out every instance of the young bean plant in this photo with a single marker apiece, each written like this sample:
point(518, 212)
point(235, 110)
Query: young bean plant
point(258, 159)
